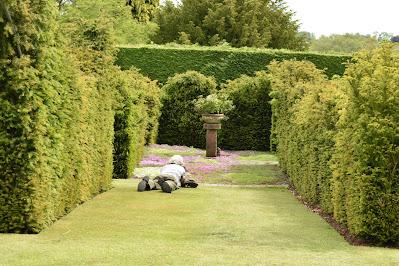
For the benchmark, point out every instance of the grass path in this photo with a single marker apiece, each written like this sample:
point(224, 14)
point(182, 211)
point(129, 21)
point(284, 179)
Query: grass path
point(209, 225)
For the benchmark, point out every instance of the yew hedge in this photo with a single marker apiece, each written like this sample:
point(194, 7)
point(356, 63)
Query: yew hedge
point(58, 99)
point(136, 120)
point(249, 123)
point(365, 161)
point(339, 140)
point(162, 62)
point(179, 123)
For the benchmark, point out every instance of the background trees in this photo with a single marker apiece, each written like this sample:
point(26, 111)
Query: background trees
point(168, 21)
point(142, 10)
point(253, 23)
point(345, 43)
point(125, 29)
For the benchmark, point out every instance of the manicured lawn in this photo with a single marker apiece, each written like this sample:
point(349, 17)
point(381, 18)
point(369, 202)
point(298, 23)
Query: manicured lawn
point(209, 225)
point(203, 226)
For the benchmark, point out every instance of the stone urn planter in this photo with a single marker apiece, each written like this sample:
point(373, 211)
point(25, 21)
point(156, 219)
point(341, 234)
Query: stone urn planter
point(213, 118)
point(212, 109)
point(212, 125)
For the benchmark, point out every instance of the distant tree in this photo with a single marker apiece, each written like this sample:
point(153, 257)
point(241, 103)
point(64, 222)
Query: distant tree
point(346, 43)
point(167, 18)
point(252, 23)
point(126, 30)
point(239, 22)
point(283, 28)
point(143, 10)
point(307, 38)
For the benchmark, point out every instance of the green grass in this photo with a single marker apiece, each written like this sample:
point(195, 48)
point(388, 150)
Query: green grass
point(257, 156)
point(206, 161)
point(203, 226)
point(262, 174)
point(152, 171)
point(250, 168)
point(169, 152)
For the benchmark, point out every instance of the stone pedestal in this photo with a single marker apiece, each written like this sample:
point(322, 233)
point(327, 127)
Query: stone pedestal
point(212, 139)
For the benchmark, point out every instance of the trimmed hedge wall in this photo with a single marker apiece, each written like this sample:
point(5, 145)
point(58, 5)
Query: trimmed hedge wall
point(249, 123)
point(55, 125)
point(304, 118)
point(366, 158)
point(339, 140)
point(57, 108)
point(136, 120)
point(160, 62)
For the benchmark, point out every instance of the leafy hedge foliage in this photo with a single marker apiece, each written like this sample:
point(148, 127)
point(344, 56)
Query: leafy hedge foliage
point(339, 140)
point(366, 157)
point(248, 126)
point(55, 125)
point(179, 123)
point(136, 120)
point(57, 112)
point(249, 123)
point(160, 63)
point(304, 118)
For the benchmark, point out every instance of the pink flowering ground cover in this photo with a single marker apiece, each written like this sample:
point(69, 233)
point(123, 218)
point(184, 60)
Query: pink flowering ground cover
point(231, 167)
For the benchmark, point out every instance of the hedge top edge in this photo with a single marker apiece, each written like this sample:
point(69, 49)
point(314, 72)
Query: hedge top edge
point(227, 49)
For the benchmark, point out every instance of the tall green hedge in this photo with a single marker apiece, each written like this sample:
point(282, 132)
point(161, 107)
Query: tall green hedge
point(152, 101)
point(339, 140)
point(303, 114)
point(366, 158)
point(58, 100)
point(55, 123)
point(136, 120)
point(179, 124)
point(160, 62)
point(249, 123)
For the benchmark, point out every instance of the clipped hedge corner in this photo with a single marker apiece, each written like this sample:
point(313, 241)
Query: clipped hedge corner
point(136, 120)
point(179, 124)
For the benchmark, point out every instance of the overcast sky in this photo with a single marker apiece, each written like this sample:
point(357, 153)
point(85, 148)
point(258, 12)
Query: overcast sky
point(347, 16)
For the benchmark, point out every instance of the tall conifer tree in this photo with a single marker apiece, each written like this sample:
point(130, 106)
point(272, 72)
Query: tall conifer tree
point(253, 23)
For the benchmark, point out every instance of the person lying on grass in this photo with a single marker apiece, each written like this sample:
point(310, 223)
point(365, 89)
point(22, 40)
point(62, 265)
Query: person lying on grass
point(172, 176)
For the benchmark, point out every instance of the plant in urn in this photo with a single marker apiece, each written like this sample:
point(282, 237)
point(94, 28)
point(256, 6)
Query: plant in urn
point(212, 108)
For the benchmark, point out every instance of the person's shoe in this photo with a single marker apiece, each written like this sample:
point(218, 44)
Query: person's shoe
point(190, 183)
point(143, 185)
point(166, 187)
